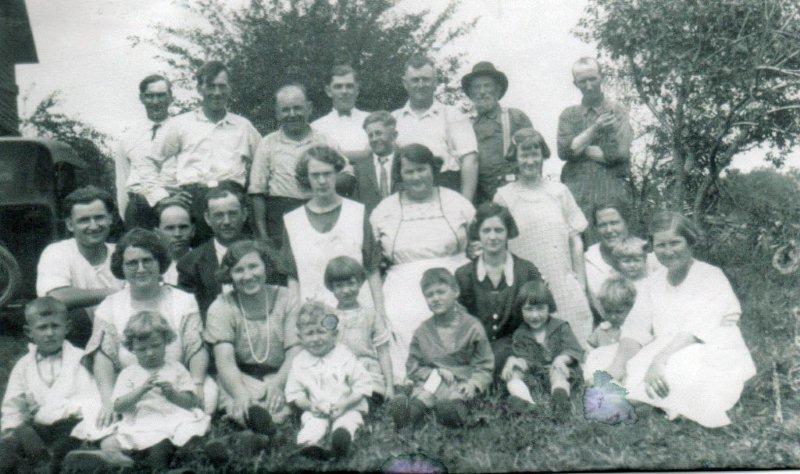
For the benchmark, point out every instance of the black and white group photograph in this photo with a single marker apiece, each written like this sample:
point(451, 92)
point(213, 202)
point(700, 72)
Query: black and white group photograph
point(399, 235)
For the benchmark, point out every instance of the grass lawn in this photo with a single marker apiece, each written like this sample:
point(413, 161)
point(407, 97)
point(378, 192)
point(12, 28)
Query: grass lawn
point(507, 442)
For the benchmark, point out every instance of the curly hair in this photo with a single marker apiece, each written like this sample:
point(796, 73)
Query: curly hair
point(322, 153)
point(630, 247)
point(317, 313)
point(238, 250)
point(143, 239)
point(143, 325)
point(488, 210)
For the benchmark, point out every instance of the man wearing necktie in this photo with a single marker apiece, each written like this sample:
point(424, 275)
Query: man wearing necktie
point(375, 171)
point(494, 126)
point(135, 196)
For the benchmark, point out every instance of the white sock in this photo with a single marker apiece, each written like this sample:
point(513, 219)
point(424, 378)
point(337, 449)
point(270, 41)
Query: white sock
point(517, 388)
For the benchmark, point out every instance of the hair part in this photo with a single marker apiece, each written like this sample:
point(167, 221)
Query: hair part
point(209, 71)
point(419, 154)
point(343, 268)
point(322, 153)
point(534, 292)
point(380, 116)
point(617, 294)
point(438, 276)
point(151, 79)
point(145, 240)
point(87, 195)
point(677, 222)
point(143, 325)
point(486, 211)
point(45, 306)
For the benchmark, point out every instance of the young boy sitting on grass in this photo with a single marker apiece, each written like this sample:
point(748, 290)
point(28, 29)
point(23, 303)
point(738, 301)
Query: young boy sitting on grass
point(51, 401)
point(543, 349)
point(362, 330)
point(327, 382)
point(450, 360)
point(617, 296)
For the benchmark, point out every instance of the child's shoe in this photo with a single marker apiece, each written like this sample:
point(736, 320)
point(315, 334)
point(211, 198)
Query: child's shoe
point(340, 442)
point(560, 404)
point(519, 406)
point(452, 414)
point(260, 421)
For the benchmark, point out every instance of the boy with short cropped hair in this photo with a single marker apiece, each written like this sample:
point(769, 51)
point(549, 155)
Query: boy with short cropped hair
point(327, 382)
point(617, 296)
point(51, 401)
point(450, 359)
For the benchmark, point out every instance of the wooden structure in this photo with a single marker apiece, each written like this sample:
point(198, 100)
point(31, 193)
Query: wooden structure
point(16, 47)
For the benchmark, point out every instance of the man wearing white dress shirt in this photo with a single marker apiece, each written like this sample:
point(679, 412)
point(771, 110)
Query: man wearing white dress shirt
point(135, 197)
point(344, 122)
point(209, 145)
point(444, 129)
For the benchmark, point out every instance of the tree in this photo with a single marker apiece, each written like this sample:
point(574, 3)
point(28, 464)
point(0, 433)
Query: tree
point(89, 143)
point(271, 42)
point(719, 77)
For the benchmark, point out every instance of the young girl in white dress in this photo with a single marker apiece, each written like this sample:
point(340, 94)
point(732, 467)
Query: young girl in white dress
point(155, 396)
point(550, 224)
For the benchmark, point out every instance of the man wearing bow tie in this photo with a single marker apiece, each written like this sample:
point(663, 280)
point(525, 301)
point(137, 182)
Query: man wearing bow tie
point(135, 194)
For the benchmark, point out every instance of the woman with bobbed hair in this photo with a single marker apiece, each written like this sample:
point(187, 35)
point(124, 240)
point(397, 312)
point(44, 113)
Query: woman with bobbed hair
point(489, 284)
point(140, 258)
point(680, 347)
point(327, 226)
point(421, 226)
point(550, 225)
point(253, 334)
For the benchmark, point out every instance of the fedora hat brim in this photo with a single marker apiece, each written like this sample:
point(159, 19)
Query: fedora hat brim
point(498, 76)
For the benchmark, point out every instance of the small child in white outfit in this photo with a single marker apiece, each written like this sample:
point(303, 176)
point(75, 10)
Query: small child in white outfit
point(156, 397)
point(327, 382)
point(617, 296)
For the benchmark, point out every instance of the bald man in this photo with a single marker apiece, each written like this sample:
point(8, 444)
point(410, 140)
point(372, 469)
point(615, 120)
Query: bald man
point(273, 186)
point(594, 138)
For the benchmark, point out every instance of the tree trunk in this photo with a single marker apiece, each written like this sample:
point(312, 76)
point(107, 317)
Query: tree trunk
point(679, 155)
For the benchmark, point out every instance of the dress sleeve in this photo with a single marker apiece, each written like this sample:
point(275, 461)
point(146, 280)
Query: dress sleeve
point(220, 323)
point(125, 383)
point(104, 336)
point(573, 215)
point(191, 331)
point(15, 410)
point(292, 307)
point(638, 325)
point(720, 306)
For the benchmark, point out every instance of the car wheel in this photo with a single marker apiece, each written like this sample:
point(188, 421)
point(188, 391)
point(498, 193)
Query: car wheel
point(10, 276)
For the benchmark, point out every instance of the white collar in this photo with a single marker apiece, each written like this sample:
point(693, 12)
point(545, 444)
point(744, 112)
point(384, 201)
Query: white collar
point(508, 269)
point(219, 249)
point(432, 110)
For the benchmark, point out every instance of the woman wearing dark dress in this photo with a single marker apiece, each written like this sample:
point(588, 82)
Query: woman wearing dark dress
point(489, 284)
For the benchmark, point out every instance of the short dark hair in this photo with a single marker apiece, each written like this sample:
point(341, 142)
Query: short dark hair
point(342, 70)
point(151, 79)
point(488, 210)
point(682, 225)
point(163, 206)
point(381, 116)
point(322, 153)
point(534, 292)
point(86, 195)
point(237, 250)
point(527, 138)
point(419, 154)
point(143, 239)
point(418, 61)
point(209, 71)
point(44, 306)
point(343, 268)
point(438, 276)
point(620, 205)
point(222, 189)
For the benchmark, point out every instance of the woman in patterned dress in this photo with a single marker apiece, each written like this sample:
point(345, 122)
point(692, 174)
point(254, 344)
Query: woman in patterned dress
point(420, 227)
point(550, 224)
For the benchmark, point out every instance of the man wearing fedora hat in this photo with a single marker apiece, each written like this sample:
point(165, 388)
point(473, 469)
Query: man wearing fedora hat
point(494, 126)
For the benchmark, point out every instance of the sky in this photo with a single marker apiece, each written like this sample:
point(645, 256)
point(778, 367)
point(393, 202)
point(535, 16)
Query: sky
point(85, 50)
